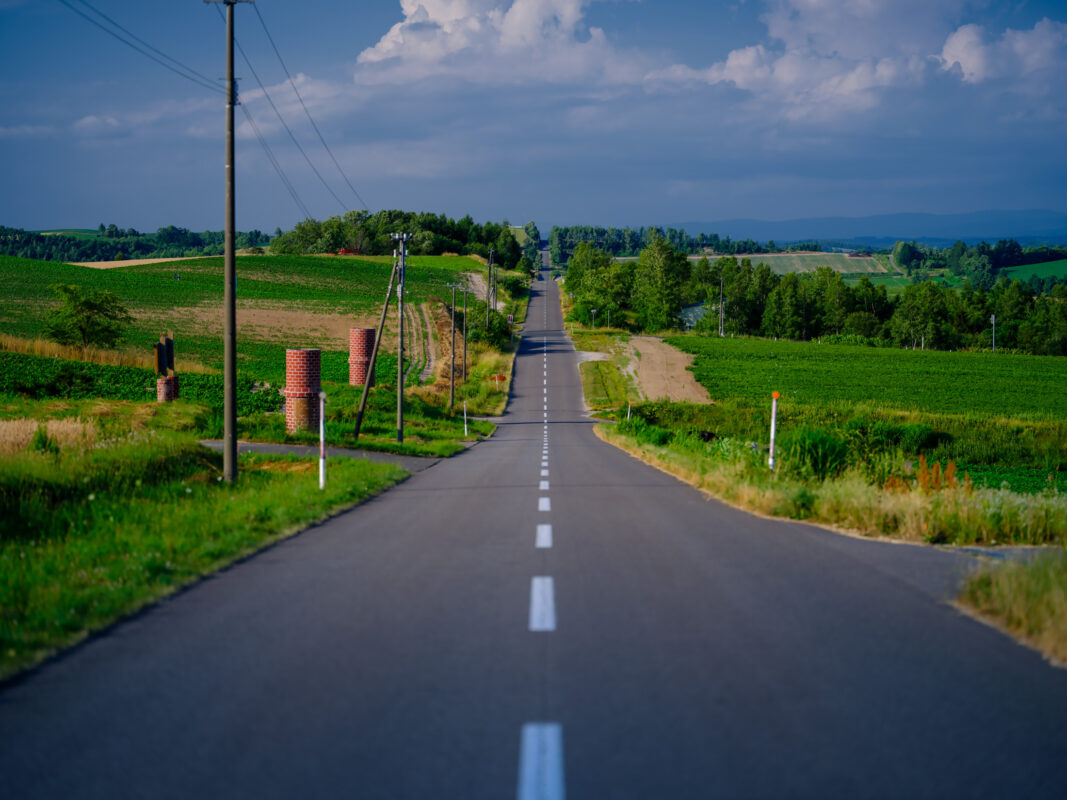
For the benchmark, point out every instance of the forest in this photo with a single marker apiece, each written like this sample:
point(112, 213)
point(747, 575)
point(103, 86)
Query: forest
point(432, 234)
point(648, 294)
point(111, 243)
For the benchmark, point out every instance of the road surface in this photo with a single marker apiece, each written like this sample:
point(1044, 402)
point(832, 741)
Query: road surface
point(543, 616)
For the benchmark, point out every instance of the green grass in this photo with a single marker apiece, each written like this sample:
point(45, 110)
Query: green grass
point(1028, 599)
point(112, 552)
point(604, 384)
point(1050, 269)
point(910, 380)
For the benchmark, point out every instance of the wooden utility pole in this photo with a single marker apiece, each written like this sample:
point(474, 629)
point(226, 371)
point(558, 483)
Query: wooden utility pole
point(367, 381)
point(229, 319)
point(403, 239)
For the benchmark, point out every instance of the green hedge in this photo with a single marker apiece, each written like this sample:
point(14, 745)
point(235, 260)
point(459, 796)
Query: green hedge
point(40, 377)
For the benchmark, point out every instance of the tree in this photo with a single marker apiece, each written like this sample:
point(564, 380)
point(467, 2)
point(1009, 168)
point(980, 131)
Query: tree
point(86, 317)
point(659, 279)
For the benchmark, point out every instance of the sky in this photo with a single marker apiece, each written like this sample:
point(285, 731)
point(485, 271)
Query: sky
point(604, 112)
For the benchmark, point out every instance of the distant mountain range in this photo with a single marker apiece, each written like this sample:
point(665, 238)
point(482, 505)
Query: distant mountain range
point(1037, 226)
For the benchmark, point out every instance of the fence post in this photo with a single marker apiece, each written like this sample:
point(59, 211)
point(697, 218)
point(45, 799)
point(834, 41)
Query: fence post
point(322, 440)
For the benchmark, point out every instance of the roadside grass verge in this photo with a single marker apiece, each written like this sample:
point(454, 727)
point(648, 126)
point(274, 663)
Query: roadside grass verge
point(603, 384)
point(119, 541)
point(1028, 599)
point(922, 509)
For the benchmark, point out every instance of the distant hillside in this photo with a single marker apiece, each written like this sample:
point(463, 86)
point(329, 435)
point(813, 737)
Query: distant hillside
point(881, 231)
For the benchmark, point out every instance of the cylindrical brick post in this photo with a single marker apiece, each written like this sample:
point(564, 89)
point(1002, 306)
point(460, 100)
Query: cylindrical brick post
point(360, 345)
point(303, 371)
point(167, 389)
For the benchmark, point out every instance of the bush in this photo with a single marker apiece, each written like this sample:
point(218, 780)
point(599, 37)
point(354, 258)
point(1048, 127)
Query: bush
point(814, 453)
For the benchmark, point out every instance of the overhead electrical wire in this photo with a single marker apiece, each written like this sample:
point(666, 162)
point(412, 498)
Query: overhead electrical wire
point(288, 130)
point(296, 91)
point(277, 166)
point(181, 69)
point(192, 75)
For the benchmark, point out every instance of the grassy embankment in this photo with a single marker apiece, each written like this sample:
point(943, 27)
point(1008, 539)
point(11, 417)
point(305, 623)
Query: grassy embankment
point(110, 505)
point(945, 448)
point(605, 383)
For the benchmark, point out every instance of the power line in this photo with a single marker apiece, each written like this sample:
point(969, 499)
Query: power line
point(274, 162)
point(189, 74)
point(308, 113)
point(288, 130)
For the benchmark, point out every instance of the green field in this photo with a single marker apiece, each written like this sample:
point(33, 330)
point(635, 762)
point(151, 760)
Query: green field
point(159, 300)
point(910, 380)
point(1050, 269)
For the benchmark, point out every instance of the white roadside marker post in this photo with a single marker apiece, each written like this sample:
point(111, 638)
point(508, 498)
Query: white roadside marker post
point(629, 408)
point(774, 419)
point(322, 440)
point(464, 419)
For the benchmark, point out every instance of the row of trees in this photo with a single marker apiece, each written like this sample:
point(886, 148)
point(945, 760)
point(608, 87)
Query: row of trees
point(369, 234)
point(981, 263)
point(114, 244)
point(628, 242)
point(651, 292)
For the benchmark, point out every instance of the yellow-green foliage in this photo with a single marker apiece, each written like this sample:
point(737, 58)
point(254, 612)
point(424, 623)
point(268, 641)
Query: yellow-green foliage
point(1029, 599)
point(956, 515)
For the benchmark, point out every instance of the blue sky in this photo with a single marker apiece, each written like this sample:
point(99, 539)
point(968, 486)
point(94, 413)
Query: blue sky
point(615, 112)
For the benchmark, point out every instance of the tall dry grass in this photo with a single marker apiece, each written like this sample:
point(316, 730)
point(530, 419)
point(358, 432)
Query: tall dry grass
point(952, 514)
point(112, 358)
point(16, 435)
point(1029, 599)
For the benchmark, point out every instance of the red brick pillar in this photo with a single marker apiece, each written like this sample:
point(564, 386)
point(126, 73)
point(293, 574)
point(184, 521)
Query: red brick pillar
point(167, 389)
point(303, 371)
point(360, 345)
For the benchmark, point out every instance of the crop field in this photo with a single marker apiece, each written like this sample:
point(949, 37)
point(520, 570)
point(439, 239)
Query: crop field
point(282, 301)
point(910, 380)
point(784, 263)
point(1050, 269)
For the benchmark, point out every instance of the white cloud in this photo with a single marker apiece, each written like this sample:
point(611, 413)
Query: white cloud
point(94, 125)
point(1016, 54)
point(827, 58)
point(25, 131)
point(497, 42)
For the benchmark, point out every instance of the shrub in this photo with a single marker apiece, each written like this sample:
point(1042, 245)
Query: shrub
point(814, 453)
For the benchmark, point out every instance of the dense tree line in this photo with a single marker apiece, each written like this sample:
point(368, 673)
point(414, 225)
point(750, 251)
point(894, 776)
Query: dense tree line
point(113, 243)
point(432, 234)
point(629, 242)
point(650, 292)
point(981, 263)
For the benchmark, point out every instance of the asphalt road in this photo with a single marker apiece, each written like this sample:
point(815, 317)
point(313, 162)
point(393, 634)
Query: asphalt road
point(543, 615)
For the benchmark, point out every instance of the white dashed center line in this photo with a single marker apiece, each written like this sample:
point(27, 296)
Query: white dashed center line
point(544, 536)
point(541, 762)
point(543, 487)
point(544, 504)
point(542, 604)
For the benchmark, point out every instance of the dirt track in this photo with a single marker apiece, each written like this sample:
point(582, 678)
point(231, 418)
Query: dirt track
point(133, 262)
point(661, 372)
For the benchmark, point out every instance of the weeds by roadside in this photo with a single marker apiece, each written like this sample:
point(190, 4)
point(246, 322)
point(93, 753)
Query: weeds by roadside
point(1028, 599)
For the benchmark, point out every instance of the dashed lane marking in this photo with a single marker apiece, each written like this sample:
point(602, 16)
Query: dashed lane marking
point(544, 536)
point(541, 762)
point(544, 504)
point(542, 604)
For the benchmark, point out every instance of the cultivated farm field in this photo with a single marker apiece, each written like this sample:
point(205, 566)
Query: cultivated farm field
point(784, 263)
point(999, 418)
point(1050, 269)
point(282, 301)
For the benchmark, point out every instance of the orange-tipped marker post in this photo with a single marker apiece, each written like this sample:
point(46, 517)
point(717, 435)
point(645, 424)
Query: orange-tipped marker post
point(774, 419)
